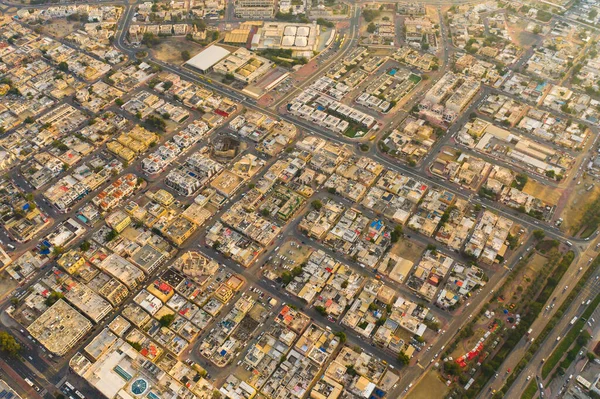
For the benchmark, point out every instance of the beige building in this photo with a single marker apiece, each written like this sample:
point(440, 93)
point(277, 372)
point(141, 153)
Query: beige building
point(254, 8)
point(59, 328)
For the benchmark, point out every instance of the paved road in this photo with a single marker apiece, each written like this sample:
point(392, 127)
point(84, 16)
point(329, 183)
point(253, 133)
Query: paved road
point(589, 291)
point(526, 221)
point(409, 374)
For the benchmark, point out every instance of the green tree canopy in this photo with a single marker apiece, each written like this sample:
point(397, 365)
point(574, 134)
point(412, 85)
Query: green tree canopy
point(8, 344)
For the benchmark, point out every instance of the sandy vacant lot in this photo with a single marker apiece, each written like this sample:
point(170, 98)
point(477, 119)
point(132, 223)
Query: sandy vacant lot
point(518, 34)
point(169, 49)
point(408, 250)
point(549, 195)
point(431, 386)
point(578, 201)
point(60, 28)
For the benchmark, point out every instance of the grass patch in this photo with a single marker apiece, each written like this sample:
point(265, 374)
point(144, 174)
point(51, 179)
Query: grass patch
point(353, 132)
point(588, 231)
point(568, 340)
point(414, 78)
point(530, 391)
point(580, 342)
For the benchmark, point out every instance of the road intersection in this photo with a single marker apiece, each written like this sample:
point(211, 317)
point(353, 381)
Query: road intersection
point(409, 375)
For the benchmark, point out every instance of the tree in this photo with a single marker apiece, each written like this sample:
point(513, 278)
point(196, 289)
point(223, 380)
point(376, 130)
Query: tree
point(284, 16)
point(316, 204)
point(341, 335)
point(167, 319)
point(593, 14)
point(396, 233)
point(371, 28)
point(451, 368)
point(53, 298)
point(155, 122)
point(539, 234)
point(111, 235)
point(324, 22)
point(369, 15)
point(322, 311)
point(135, 345)
point(287, 278)
point(149, 39)
point(8, 344)
point(185, 55)
point(85, 246)
point(403, 358)
point(57, 250)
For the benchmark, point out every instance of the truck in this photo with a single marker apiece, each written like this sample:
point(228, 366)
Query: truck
point(573, 320)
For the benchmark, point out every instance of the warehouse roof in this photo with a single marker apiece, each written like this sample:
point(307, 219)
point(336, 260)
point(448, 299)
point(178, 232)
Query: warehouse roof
point(207, 58)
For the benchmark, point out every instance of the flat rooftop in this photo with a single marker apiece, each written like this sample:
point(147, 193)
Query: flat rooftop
point(59, 327)
point(206, 59)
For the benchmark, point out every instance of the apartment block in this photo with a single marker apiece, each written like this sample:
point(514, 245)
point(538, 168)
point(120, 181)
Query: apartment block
point(59, 328)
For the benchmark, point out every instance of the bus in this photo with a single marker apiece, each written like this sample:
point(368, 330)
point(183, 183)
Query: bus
point(28, 381)
point(573, 320)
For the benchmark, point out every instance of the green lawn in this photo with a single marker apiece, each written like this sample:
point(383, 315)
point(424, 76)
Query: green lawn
point(414, 78)
point(352, 132)
point(530, 391)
